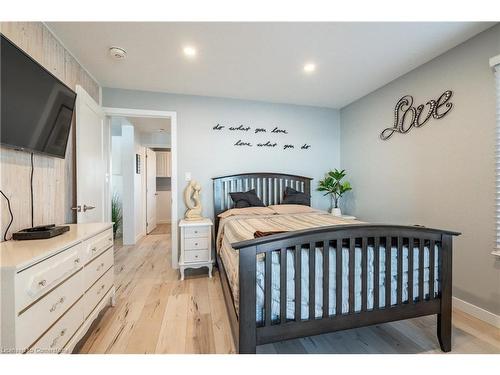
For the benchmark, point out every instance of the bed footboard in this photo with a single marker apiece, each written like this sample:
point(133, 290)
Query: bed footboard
point(353, 276)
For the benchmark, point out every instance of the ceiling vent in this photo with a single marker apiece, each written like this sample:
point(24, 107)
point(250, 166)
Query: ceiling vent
point(117, 53)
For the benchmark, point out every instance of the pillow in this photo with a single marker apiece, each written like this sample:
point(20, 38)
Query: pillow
point(246, 199)
point(291, 209)
point(292, 196)
point(247, 211)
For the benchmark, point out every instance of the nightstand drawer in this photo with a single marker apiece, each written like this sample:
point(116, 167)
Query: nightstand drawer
point(194, 232)
point(191, 256)
point(196, 243)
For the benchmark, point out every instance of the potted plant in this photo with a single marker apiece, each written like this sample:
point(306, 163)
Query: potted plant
point(116, 213)
point(332, 184)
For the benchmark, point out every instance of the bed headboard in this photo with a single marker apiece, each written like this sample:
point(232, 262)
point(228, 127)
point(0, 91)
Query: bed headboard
point(269, 188)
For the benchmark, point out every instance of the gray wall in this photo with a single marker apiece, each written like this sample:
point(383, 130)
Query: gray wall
point(441, 175)
point(207, 153)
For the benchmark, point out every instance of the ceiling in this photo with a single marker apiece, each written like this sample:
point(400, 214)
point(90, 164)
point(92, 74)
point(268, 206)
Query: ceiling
point(150, 124)
point(260, 61)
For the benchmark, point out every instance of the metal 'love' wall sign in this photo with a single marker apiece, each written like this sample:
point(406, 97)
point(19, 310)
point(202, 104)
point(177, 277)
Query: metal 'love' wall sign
point(406, 116)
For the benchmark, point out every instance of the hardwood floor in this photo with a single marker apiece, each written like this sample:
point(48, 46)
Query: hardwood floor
point(157, 313)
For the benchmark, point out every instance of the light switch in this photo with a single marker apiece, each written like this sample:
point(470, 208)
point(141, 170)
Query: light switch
point(188, 176)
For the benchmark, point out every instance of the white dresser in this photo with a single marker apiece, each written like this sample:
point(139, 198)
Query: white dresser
point(196, 245)
point(52, 290)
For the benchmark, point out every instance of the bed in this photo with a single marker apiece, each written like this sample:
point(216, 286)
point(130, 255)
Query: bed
point(337, 274)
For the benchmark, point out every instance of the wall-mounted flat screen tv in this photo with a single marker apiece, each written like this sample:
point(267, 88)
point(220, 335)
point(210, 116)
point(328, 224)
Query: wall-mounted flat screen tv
point(36, 107)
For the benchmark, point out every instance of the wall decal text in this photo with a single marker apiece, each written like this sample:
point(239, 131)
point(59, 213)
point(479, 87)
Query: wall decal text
point(272, 132)
point(406, 116)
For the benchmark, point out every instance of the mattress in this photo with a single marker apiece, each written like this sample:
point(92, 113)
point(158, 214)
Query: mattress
point(242, 227)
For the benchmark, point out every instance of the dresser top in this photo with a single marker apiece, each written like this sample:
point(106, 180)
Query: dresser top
point(19, 254)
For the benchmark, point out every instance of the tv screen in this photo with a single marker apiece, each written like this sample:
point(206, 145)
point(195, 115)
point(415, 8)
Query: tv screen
point(36, 107)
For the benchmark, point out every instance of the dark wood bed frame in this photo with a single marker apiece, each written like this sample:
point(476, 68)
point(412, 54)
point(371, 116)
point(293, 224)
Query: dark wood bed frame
point(270, 187)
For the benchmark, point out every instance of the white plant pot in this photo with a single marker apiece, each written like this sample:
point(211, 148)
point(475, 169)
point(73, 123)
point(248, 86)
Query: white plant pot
point(336, 212)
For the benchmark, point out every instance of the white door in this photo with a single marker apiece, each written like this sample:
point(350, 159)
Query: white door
point(151, 196)
point(92, 160)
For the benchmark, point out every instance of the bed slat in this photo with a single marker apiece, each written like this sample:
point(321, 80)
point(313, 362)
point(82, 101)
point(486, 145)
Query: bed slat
point(268, 289)
point(351, 274)
point(364, 274)
point(338, 278)
point(431, 269)
point(283, 285)
point(388, 271)
point(312, 280)
point(326, 278)
point(376, 273)
point(410, 270)
point(298, 278)
point(421, 271)
point(400, 272)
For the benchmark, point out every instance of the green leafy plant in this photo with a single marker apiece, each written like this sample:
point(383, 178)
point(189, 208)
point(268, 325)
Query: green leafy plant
point(332, 184)
point(116, 213)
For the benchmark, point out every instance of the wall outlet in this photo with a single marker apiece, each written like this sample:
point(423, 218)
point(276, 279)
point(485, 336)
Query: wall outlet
point(188, 176)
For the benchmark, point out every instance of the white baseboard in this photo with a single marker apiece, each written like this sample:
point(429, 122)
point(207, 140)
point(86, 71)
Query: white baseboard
point(477, 312)
point(139, 236)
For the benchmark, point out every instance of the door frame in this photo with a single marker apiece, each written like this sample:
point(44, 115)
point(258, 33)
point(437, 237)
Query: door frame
point(146, 190)
point(172, 115)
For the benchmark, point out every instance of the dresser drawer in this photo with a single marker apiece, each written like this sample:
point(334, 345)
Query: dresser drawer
point(97, 244)
point(35, 281)
point(97, 267)
point(61, 332)
point(31, 323)
point(195, 243)
point(94, 295)
point(192, 256)
point(194, 232)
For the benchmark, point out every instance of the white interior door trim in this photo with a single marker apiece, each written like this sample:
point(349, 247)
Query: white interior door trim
point(85, 102)
point(132, 112)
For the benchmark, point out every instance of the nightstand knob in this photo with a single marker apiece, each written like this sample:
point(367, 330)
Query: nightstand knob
point(196, 244)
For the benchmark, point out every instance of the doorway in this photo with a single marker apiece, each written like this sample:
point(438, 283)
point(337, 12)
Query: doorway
point(144, 173)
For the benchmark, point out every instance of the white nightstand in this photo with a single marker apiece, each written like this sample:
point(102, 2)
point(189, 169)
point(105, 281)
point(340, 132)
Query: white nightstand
point(196, 245)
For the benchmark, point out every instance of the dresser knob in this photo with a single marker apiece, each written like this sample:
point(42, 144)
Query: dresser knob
point(61, 334)
point(60, 302)
point(42, 283)
point(94, 249)
point(100, 290)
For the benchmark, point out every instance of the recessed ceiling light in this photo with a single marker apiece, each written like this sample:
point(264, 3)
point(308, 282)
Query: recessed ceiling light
point(190, 51)
point(309, 68)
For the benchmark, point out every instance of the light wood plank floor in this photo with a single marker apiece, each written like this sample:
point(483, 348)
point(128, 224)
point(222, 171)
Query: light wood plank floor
point(157, 313)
